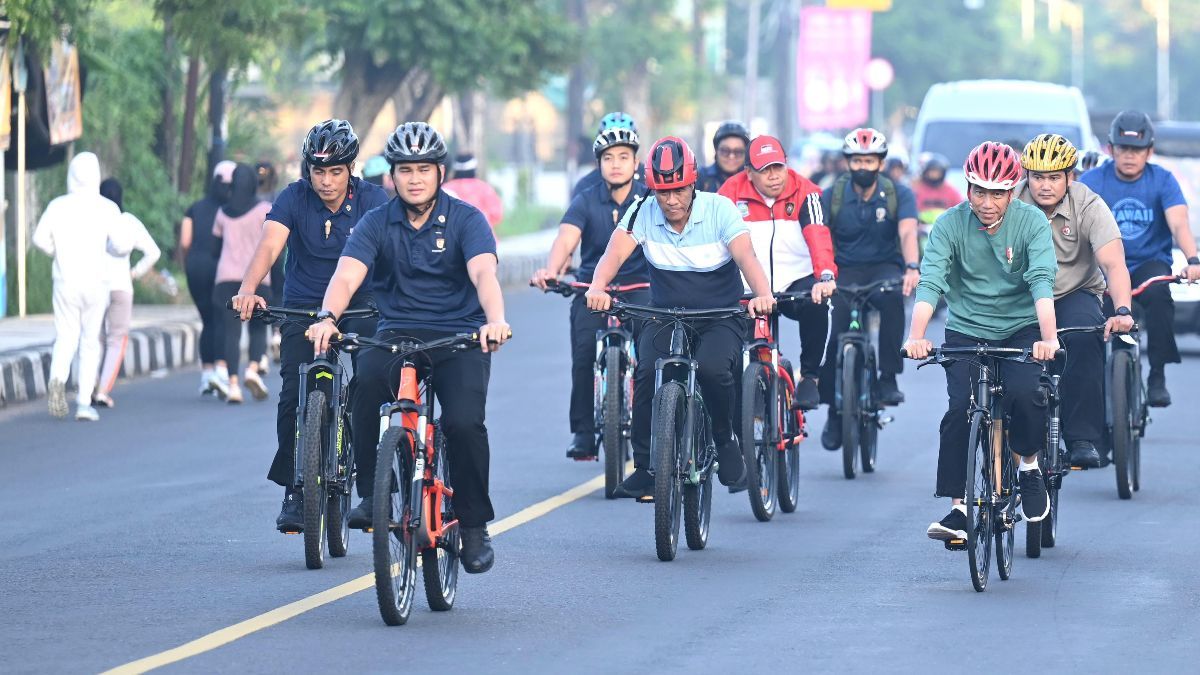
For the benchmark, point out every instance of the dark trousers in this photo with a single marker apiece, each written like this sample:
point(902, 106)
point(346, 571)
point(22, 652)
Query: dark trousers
point(813, 319)
point(584, 325)
point(230, 331)
point(294, 351)
point(460, 380)
point(1023, 401)
point(1082, 385)
point(717, 347)
point(201, 276)
point(889, 305)
point(1157, 315)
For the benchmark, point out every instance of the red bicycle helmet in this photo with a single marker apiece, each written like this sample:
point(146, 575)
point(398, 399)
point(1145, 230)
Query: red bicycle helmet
point(670, 164)
point(993, 166)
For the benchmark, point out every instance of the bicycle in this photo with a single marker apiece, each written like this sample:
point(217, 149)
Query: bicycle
point(683, 454)
point(856, 384)
point(324, 450)
point(991, 495)
point(612, 383)
point(770, 434)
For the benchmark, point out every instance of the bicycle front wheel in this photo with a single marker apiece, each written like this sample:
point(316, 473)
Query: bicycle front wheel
point(868, 433)
point(788, 460)
point(850, 410)
point(612, 430)
point(392, 537)
point(757, 448)
point(316, 489)
point(338, 518)
point(978, 500)
point(670, 447)
point(1006, 525)
point(439, 564)
point(1124, 453)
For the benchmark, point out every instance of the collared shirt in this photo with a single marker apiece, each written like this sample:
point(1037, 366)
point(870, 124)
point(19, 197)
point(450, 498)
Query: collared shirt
point(596, 214)
point(1081, 224)
point(316, 236)
point(421, 278)
point(864, 233)
point(1140, 209)
point(691, 269)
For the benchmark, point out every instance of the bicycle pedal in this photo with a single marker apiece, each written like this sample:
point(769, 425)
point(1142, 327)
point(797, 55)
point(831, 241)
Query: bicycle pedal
point(647, 499)
point(956, 545)
point(884, 420)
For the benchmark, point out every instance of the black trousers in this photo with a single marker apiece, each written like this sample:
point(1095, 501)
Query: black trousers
point(717, 347)
point(1023, 400)
point(294, 351)
point(1082, 383)
point(813, 320)
point(889, 305)
point(230, 332)
point(584, 325)
point(201, 276)
point(1157, 315)
point(460, 380)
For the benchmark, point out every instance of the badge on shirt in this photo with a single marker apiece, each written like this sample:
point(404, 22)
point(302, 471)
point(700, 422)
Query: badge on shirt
point(1008, 254)
point(743, 208)
point(880, 214)
point(1066, 230)
point(440, 243)
point(789, 208)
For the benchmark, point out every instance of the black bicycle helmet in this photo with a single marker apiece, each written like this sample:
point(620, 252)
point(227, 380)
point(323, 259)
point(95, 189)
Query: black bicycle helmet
point(1132, 129)
point(415, 142)
point(330, 143)
point(731, 128)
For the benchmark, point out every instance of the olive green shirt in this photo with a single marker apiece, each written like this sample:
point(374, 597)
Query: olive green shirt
point(1081, 224)
point(990, 280)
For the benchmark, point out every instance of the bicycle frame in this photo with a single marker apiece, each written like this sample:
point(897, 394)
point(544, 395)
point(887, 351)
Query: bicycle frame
point(681, 367)
point(764, 348)
point(857, 334)
point(327, 373)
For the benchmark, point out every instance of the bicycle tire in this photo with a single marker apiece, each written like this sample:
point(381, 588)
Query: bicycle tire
point(439, 564)
point(789, 459)
point(1006, 532)
point(339, 499)
point(394, 549)
point(1049, 526)
point(1122, 414)
point(670, 417)
point(978, 502)
point(697, 512)
point(850, 410)
point(868, 435)
point(612, 430)
point(1137, 397)
point(761, 463)
point(315, 489)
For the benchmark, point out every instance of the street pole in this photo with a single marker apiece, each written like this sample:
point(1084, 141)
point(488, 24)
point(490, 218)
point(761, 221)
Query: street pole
point(1077, 46)
point(1162, 12)
point(750, 97)
point(19, 81)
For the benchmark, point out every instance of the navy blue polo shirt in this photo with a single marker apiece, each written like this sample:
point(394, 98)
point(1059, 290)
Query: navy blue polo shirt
point(311, 255)
point(596, 214)
point(421, 276)
point(864, 233)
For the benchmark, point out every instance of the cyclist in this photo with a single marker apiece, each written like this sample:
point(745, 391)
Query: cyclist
point(590, 222)
point(1088, 245)
point(1151, 212)
point(475, 191)
point(312, 217)
point(435, 262)
point(694, 244)
point(933, 194)
point(730, 144)
point(896, 168)
point(993, 259)
point(613, 120)
point(874, 225)
point(787, 228)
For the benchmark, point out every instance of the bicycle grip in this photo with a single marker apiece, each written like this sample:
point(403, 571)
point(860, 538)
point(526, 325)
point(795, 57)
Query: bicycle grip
point(903, 353)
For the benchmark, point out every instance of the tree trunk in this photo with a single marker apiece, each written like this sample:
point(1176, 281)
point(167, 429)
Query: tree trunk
point(577, 14)
point(187, 145)
point(699, 73)
point(218, 87)
point(417, 97)
point(365, 89)
point(165, 140)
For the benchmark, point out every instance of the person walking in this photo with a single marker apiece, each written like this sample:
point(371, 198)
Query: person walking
point(200, 251)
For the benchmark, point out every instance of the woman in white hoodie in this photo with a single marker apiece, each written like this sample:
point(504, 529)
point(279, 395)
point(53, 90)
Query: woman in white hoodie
point(81, 231)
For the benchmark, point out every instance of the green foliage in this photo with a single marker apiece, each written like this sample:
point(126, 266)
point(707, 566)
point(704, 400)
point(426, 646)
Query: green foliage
point(42, 21)
point(39, 285)
point(232, 33)
point(526, 218)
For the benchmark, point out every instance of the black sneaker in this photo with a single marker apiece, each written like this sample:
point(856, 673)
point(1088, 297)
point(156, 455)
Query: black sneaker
point(1035, 504)
point(807, 396)
point(638, 485)
point(360, 516)
point(889, 392)
point(291, 516)
point(1157, 395)
point(583, 448)
point(831, 435)
point(953, 526)
point(1084, 454)
point(476, 553)
point(732, 471)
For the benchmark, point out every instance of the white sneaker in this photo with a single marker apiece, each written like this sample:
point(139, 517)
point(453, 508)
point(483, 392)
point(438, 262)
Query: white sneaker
point(258, 389)
point(206, 383)
point(219, 385)
point(56, 399)
point(233, 394)
point(86, 413)
point(264, 365)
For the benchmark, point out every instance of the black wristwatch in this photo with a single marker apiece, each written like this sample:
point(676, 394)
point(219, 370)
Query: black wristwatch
point(1194, 260)
point(913, 266)
point(826, 276)
point(1123, 311)
point(326, 314)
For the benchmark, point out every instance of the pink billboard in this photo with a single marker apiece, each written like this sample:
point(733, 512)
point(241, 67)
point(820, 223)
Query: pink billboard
point(832, 54)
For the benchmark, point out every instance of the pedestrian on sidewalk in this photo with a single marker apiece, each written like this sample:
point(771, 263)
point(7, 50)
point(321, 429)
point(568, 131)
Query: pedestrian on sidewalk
point(239, 224)
point(80, 231)
point(200, 252)
point(120, 291)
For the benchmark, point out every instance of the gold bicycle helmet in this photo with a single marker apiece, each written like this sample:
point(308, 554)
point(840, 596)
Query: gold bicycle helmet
point(1048, 152)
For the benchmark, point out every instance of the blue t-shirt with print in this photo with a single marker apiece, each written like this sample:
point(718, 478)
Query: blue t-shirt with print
point(1140, 209)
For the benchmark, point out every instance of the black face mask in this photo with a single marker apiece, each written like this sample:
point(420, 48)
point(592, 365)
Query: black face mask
point(863, 178)
point(929, 178)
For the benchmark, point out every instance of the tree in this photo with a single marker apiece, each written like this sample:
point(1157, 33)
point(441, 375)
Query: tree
point(42, 22)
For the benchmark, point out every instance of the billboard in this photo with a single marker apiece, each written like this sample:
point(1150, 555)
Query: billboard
point(64, 106)
point(833, 51)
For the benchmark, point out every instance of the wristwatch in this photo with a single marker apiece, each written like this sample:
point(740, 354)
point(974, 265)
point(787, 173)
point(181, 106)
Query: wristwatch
point(1123, 311)
point(913, 266)
point(1194, 260)
point(326, 314)
point(826, 276)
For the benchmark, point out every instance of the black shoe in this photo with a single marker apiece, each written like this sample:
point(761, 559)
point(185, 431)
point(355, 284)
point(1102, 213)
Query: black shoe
point(807, 396)
point(889, 393)
point(953, 526)
point(582, 448)
point(1084, 454)
point(831, 435)
point(638, 485)
point(1157, 395)
point(1035, 504)
point(291, 516)
point(360, 516)
point(732, 471)
point(476, 553)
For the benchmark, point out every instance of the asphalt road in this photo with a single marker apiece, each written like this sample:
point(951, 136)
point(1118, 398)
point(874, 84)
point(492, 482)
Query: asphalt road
point(155, 527)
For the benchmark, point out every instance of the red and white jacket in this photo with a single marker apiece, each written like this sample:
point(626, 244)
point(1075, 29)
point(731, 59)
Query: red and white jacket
point(790, 237)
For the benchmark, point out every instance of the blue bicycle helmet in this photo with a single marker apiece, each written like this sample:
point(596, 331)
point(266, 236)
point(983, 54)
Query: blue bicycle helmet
point(616, 120)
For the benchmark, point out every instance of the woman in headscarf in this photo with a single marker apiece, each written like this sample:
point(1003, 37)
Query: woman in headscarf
point(200, 252)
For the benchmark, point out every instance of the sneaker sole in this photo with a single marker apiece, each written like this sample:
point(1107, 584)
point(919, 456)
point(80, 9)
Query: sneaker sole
point(290, 529)
point(939, 533)
point(257, 390)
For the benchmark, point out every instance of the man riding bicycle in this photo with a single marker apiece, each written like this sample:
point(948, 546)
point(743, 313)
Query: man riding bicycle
point(312, 217)
point(1087, 243)
point(695, 246)
point(787, 228)
point(435, 276)
point(589, 223)
point(1151, 212)
point(613, 121)
point(730, 144)
point(993, 259)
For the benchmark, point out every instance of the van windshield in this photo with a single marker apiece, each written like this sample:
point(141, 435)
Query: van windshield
point(954, 139)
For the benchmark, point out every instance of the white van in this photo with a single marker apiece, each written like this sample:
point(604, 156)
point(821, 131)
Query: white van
point(957, 116)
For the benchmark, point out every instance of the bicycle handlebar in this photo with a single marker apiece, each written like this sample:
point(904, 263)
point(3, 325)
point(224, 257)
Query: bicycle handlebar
point(1015, 354)
point(1091, 329)
point(277, 313)
point(677, 314)
point(1166, 278)
point(408, 347)
point(862, 289)
point(571, 288)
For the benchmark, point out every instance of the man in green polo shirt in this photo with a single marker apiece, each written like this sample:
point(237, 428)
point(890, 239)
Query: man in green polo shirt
point(993, 259)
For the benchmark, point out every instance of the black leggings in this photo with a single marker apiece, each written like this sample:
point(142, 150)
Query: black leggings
point(200, 279)
point(230, 327)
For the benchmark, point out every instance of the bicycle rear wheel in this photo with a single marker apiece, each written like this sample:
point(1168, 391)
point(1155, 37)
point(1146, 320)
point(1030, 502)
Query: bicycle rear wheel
point(1005, 524)
point(850, 410)
point(394, 546)
point(338, 518)
point(439, 564)
point(316, 489)
point(760, 454)
point(789, 460)
point(978, 501)
point(612, 430)
point(868, 435)
point(670, 446)
point(1123, 421)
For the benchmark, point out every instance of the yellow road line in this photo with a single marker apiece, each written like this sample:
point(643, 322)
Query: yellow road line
point(280, 614)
